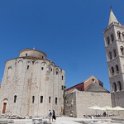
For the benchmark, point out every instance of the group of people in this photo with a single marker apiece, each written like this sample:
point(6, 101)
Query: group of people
point(52, 115)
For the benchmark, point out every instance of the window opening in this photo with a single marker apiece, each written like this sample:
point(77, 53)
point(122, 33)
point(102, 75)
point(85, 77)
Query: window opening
point(108, 40)
point(112, 37)
point(117, 68)
point(56, 100)
point(112, 70)
point(56, 72)
point(114, 87)
point(119, 34)
point(114, 52)
point(119, 86)
point(33, 98)
point(15, 98)
point(41, 99)
point(62, 77)
point(110, 55)
point(122, 50)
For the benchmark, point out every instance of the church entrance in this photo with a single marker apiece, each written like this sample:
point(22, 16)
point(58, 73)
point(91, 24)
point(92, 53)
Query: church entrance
point(4, 107)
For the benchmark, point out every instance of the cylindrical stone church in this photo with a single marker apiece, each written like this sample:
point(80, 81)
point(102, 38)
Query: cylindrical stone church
point(32, 85)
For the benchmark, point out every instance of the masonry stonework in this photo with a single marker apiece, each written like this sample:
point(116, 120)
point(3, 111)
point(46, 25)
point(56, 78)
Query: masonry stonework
point(82, 96)
point(32, 85)
point(114, 45)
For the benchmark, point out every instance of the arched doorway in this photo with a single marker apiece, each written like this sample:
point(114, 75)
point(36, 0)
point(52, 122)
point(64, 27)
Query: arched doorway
point(4, 108)
point(5, 101)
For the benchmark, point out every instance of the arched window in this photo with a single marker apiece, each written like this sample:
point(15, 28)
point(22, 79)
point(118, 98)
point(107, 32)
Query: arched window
point(114, 87)
point(108, 40)
point(114, 51)
point(33, 98)
point(112, 37)
point(15, 98)
point(117, 68)
point(57, 72)
point(63, 87)
point(122, 50)
point(42, 68)
point(112, 70)
point(110, 55)
point(62, 77)
point(123, 35)
point(26, 54)
point(41, 99)
point(119, 34)
point(119, 86)
point(56, 100)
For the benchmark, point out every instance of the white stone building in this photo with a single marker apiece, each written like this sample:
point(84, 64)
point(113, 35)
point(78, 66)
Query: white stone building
point(114, 45)
point(89, 93)
point(32, 85)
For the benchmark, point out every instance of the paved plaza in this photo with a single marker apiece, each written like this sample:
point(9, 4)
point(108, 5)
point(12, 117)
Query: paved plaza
point(65, 120)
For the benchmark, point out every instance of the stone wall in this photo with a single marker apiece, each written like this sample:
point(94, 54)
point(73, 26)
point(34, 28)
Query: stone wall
point(25, 78)
point(70, 104)
point(83, 100)
point(118, 98)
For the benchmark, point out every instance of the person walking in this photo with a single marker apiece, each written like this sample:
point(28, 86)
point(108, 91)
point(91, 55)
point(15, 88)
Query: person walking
point(53, 115)
point(50, 116)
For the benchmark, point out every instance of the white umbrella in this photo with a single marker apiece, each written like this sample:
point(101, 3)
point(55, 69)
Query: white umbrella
point(107, 108)
point(95, 107)
point(118, 108)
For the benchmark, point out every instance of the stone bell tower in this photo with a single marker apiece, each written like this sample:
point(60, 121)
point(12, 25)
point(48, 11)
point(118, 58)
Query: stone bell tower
point(114, 45)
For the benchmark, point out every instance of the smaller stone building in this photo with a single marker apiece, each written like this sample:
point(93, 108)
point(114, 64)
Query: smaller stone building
point(89, 93)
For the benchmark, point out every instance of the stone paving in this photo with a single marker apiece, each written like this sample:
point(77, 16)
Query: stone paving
point(63, 120)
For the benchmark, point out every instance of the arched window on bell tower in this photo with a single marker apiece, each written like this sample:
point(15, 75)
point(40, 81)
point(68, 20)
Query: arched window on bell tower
point(119, 35)
point(114, 52)
point(122, 50)
point(107, 41)
point(110, 55)
point(114, 87)
point(112, 70)
point(117, 68)
point(123, 36)
point(119, 86)
point(112, 37)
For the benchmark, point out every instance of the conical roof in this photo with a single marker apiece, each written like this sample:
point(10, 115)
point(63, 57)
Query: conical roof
point(112, 18)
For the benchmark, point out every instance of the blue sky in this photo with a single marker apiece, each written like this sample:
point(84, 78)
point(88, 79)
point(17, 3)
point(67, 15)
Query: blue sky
point(69, 31)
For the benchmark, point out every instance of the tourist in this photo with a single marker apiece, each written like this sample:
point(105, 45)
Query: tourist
point(50, 116)
point(53, 115)
point(104, 114)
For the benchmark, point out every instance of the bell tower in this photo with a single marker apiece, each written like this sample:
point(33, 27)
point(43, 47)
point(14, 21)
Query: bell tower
point(114, 45)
